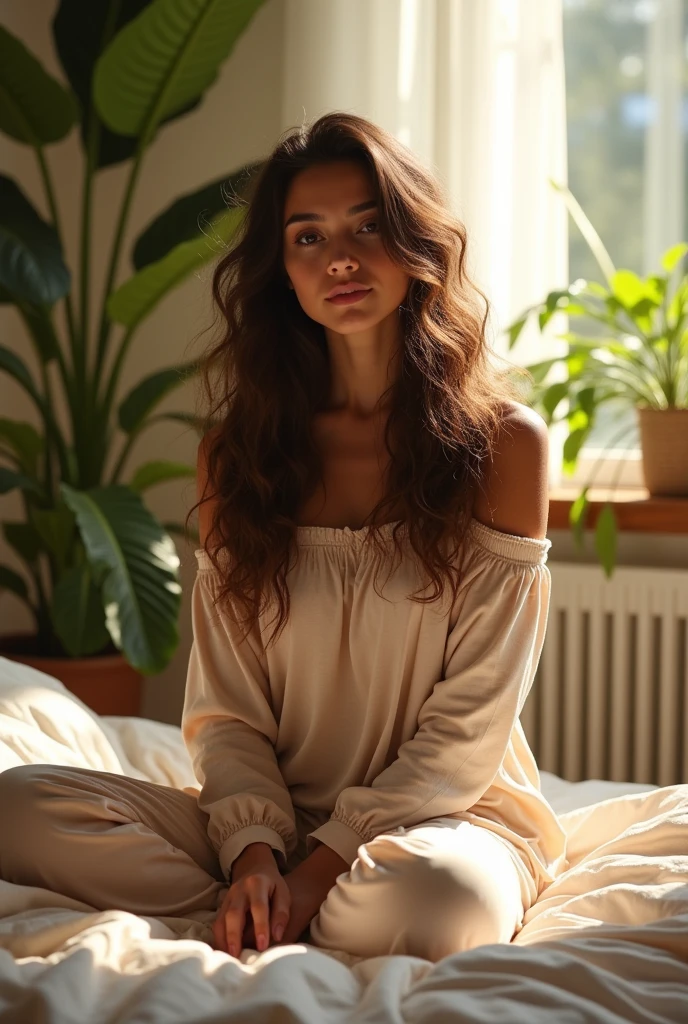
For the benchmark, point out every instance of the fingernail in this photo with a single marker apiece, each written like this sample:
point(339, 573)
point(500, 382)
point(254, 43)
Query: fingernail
point(261, 943)
point(231, 949)
point(279, 931)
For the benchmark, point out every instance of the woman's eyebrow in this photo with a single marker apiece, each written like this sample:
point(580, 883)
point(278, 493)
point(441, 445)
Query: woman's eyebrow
point(359, 208)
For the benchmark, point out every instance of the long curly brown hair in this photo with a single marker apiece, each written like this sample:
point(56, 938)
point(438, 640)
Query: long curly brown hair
point(269, 374)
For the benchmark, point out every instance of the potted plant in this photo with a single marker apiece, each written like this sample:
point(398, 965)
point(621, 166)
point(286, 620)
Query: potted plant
point(100, 571)
point(639, 360)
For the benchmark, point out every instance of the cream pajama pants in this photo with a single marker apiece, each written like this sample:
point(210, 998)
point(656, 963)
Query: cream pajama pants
point(115, 842)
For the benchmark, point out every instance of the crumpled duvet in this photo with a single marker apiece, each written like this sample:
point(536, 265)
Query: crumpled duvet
point(606, 942)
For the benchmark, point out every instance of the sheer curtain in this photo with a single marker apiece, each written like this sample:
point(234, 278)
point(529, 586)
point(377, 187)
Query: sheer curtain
point(663, 181)
point(477, 91)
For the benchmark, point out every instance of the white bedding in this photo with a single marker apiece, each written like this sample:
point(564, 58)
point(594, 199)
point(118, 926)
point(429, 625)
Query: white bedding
point(607, 942)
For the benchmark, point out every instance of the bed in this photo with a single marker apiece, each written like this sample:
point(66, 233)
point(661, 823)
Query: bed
point(607, 942)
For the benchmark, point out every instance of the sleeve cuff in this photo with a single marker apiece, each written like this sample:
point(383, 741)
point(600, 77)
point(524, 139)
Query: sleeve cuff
point(339, 837)
point(243, 837)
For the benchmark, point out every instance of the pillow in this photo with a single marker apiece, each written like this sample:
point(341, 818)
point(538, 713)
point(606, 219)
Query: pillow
point(42, 722)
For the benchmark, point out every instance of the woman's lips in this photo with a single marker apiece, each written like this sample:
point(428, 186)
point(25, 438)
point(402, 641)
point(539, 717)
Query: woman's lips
point(347, 297)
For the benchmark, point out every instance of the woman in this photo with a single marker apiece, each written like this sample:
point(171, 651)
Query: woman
point(365, 781)
point(363, 767)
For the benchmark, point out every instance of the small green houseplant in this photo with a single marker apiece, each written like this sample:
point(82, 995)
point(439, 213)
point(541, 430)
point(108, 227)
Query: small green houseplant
point(639, 360)
point(101, 572)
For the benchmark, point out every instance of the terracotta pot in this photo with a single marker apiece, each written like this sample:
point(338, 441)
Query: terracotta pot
point(664, 444)
point(105, 683)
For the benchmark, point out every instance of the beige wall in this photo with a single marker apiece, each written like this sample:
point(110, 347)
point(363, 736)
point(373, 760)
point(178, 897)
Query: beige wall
point(239, 121)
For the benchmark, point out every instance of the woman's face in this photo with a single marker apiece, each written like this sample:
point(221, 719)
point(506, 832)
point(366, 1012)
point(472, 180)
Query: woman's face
point(332, 242)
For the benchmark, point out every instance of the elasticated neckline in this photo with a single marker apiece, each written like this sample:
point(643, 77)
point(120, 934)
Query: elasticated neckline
point(527, 550)
point(342, 534)
point(506, 545)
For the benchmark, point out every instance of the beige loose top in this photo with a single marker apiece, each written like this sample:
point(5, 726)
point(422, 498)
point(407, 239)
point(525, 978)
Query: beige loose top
point(372, 711)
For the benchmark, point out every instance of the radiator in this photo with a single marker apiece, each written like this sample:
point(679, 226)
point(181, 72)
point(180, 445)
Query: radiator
point(609, 699)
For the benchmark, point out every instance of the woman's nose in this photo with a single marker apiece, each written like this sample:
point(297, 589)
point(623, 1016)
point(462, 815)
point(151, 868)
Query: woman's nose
point(343, 262)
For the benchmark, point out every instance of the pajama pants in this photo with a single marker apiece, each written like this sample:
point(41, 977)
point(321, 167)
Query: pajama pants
point(114, 842)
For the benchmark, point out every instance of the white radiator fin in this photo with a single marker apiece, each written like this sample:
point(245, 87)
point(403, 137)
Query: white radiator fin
point(609, 699)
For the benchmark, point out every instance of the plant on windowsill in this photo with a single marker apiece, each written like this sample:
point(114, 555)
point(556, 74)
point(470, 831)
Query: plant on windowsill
point(640, 361)
point(101, 572)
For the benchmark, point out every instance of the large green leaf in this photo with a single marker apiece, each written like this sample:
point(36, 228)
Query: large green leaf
point(34, 107)
point(55, 526)
point(183, 220)
point(137, 298)
point(578, 515)
point(11, 363)
point(151, 390)
point(135, 563)
point(31, 264)
point(24, 539)
point(678, 305)
point(10, 479)
point(11, 580)
point(24, 441)
point(77, 612)
point(81, 30)
point(628, 288)
point(163, 59)
point(606, 538)
point(540, 370)
point(586, 399)
point(159, 472)
point(552, 396)
point(573, 444)
point(40, 327)
point(673, 255)
point(514, 329)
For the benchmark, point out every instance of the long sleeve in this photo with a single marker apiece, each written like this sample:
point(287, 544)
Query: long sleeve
point(229, 729)
point(465, 724)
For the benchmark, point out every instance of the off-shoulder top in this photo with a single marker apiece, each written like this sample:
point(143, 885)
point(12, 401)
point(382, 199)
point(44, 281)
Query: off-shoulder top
point(373, 711)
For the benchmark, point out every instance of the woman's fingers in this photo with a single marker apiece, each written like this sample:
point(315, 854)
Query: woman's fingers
point(219, 933)
point(279, 919)
point(238, 924)
point(233, 915)
point(281, 910)
point(259, 896)
point(234, 927)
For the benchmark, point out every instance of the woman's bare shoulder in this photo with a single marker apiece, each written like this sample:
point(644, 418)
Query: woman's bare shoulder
point(514, 496)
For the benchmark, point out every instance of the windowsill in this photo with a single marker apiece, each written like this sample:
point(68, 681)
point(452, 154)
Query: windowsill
point(634, 509)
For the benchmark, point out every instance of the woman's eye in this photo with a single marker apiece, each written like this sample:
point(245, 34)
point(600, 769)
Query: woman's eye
point(310, 234)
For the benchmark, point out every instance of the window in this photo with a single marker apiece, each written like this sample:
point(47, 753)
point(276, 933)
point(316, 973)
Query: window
point(626, 66)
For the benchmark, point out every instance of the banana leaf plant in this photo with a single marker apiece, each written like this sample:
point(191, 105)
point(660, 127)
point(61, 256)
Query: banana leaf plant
point(100, 571)
point(637, 358)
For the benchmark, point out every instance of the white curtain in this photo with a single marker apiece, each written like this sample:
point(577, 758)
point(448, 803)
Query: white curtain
point(477, 90)
point(664, 173)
